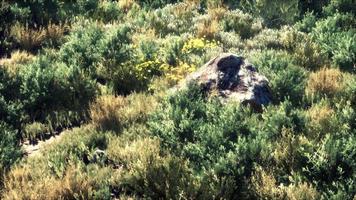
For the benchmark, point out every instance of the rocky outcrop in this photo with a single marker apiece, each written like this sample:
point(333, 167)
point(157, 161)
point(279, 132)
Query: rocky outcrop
point(233, 78)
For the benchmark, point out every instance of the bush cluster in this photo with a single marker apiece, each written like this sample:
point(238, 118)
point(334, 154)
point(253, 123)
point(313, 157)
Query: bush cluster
point(105, 67)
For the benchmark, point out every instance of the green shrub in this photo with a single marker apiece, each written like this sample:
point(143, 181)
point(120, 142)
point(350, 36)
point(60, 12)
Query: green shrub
point(109, 11)
point(172, 19)
point(332, 166)
point(336, 36)
point(342, 6)
point(85, 47)
point(305, 52)
point(307, 23)
point(243, 24)
point(274, 14)
point(9, 148)
point(266, 39)
point(49, 88)
point(279, 117)
point(10, 104)
point(214, 138)
point(286, 80)
point(156, 3)
point(38, 13)
point(8, 17)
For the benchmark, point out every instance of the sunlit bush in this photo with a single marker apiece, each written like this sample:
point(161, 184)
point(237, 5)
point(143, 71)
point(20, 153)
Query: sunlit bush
point(13, 64)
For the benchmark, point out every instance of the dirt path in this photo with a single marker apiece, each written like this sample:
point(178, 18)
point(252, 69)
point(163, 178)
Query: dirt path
point(34, 149)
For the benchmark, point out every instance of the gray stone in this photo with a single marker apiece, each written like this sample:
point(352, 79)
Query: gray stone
point(233, 78)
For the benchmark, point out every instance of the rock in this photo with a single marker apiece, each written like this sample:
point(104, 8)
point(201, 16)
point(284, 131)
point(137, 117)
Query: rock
point(233, 78)
point(99, 156)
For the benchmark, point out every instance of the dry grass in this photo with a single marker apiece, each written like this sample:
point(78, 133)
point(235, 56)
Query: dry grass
point(27, 37)
point(321, 120)
point(115, 113)
point(217, 13)
point(302, 191)
point(126, 5)
point(132, 153)
point(207, 28)
point(32, 38)
point(104, 112)
point(55, 32)
point(18, 58)
point(286, 155)
point(29, 183)
point(326, 81)
point(266, 187)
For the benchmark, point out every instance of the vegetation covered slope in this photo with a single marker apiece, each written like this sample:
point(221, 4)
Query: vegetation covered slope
point(105, 67)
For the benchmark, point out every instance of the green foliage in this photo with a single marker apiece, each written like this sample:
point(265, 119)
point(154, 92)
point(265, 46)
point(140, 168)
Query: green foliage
point(274, 14)
point(211, 136)
point(43, 12)
point(245, 25)
point(342, 6)
point(10, 105)
point(9, 148)
point(156, 3)
point(336, 35)
point(85, 60)
point(287, 80)
point(50, 88)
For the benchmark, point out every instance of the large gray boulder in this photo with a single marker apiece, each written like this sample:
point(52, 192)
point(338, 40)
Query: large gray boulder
point(233, 78)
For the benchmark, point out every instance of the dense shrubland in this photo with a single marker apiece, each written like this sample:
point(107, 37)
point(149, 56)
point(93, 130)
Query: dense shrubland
point(105, 67)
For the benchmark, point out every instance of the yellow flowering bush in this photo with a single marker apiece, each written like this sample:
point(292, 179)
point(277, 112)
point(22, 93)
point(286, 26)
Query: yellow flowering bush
point(198, 45)
point(145, 70)
point(175, 74)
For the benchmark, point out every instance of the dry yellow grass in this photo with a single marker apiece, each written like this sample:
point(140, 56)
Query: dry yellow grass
point(207, 28)
point(18, 58)
point(321, 119)
point(27, 37)
point(326, 81)
point(126, 5)
point(134, 152)
point(104, 112)
point(266, 187)
point(31, 38)
point(27, 183)
point(55, 31)
point(115, 113)
point(217, 13)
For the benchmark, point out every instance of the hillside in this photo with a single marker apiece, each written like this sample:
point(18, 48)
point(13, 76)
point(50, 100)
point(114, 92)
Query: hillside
point(178, 99)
